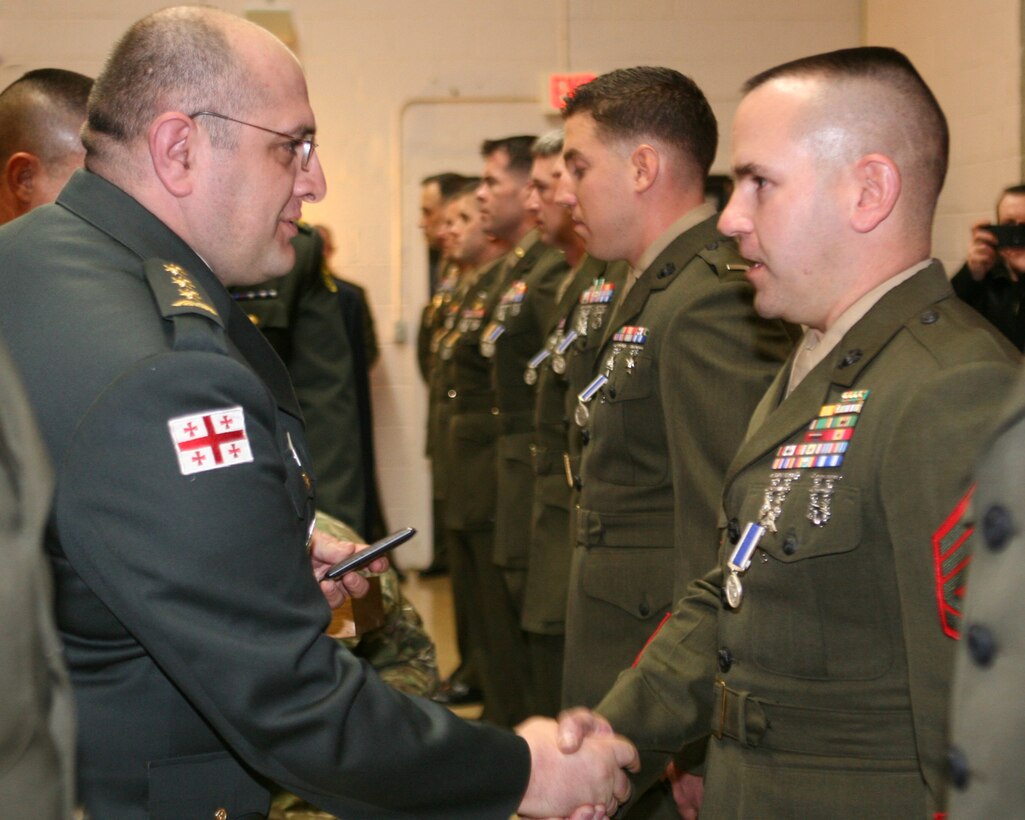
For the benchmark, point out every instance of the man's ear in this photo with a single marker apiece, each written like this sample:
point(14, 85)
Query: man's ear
point(645, 166)
point(20, 175)
point(172, 149)
point(878, 186)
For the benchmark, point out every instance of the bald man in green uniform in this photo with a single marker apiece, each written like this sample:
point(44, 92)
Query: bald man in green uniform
point(818, 652)
point(188, 571)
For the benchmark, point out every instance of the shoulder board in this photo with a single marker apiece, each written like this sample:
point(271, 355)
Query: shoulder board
point(177, 292)
point(722, 256)
point(182, 301)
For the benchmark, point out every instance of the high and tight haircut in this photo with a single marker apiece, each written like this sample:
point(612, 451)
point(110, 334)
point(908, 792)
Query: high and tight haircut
point(650, 102)
point(468, 188)
point(548, 144)
point(177, 59)
point(28, 107)
point(919, 110)
point(448, 183)
point(516, 148)
point(1010, 190)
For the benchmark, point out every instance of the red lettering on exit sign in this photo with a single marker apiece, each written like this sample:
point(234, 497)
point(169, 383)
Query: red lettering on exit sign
point(562, 85)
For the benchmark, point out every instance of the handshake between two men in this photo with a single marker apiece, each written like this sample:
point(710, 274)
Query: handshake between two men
point(578, 767)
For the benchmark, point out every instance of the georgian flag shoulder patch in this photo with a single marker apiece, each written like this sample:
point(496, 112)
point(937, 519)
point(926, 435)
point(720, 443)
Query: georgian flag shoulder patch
point(210, 440)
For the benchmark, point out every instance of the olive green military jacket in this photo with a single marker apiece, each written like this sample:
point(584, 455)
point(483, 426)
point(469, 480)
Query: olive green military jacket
point(301, 318)
point(825, 683)
point(37, 731)
point(193, 626)
point(686, 359)
point(471, 415)
point(521, 318)
point(987, 729)
point(552, 368)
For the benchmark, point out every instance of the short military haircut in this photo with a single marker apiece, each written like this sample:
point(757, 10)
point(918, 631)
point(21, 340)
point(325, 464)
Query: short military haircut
point(650, 102)
point(448, 183)
point(902, 119)
point(29, 107)
point(177, 59)
point(516, 148)
point(1010, 190)
point(468, 188)
point(548, 144)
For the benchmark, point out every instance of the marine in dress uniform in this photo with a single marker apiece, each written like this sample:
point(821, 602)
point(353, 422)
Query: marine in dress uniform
point(817, 653)
point(470, 497)
point(679, 370)
point(826, 662)
point(510, 339)
point(560, 370)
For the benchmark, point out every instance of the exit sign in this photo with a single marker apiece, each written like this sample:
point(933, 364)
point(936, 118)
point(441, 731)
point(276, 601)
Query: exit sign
point(562, 85)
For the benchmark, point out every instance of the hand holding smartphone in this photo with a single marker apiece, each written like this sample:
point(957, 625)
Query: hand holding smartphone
point(360, 559)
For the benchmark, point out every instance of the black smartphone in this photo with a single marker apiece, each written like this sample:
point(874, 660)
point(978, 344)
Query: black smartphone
point(360, 559)
point(1008, 236)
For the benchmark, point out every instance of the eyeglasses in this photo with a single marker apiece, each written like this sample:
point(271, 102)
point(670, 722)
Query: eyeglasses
point(306, 143)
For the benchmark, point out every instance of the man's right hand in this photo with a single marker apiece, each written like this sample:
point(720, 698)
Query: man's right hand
point(588, 782)
point(982, 253)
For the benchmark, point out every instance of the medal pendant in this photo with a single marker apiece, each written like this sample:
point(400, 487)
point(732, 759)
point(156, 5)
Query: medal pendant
point(487, 349)
point(530, 376)
point(581, 414)
point(559, 364)
point(734, 591)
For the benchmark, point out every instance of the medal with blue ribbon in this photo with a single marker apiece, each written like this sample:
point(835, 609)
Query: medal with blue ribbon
point(582, 414)
point(780, 484)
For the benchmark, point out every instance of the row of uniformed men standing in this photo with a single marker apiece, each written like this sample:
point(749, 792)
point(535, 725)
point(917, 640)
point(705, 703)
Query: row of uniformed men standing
point(583, 415)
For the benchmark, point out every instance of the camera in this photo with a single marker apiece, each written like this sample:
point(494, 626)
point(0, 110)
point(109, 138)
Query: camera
point(1008, 236)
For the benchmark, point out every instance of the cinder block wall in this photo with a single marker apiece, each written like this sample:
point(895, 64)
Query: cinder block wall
point(404, 88)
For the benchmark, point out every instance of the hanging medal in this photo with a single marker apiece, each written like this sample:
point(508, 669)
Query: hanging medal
point(559, 359)
point(780, 484)
point(489, 337)
point(530, 374)
point(582, 413)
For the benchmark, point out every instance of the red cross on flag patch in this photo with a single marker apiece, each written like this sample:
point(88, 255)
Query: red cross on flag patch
point(210, 440)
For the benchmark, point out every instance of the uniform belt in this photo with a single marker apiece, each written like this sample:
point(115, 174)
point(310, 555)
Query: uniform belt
point(513, 423)
point(595, 529)
point(474, 403)
point(834, 733)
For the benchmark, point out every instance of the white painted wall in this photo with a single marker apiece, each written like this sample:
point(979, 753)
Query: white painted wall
point(970, 54)
point(403, 88)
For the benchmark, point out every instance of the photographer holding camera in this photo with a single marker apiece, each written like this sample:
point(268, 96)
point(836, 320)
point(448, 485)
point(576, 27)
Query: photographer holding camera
point(992, 279)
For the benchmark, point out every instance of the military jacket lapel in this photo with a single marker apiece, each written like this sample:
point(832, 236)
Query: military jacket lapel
point(783, 418)
point(662, 272)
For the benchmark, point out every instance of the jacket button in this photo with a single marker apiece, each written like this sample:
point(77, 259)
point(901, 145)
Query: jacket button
point(930, 317)
point(725, 659)
point(644, 610)
point(997, 527)
point(452, 394)
point(853, 356)
point(577, 483)
point(612, 392)
point(221, 814)
point(982, 646)
point(668, 269)
point(790, 543)
point(585, 435)
point(958, 768)
point(733, 530)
